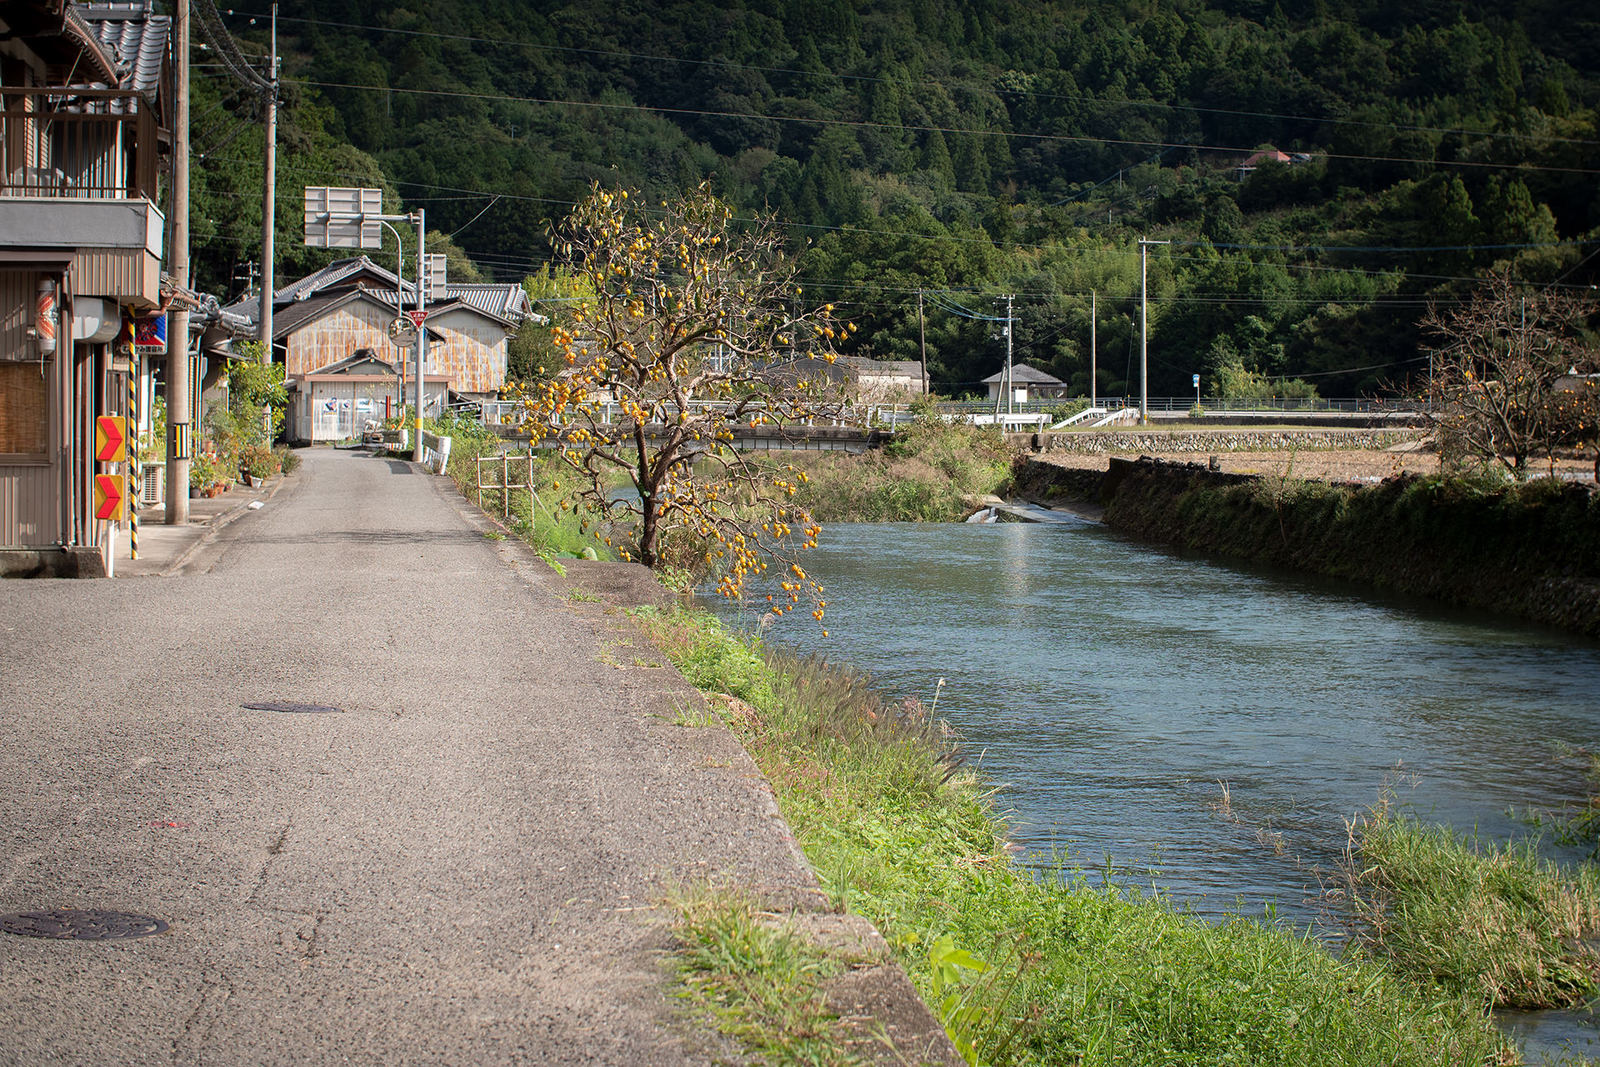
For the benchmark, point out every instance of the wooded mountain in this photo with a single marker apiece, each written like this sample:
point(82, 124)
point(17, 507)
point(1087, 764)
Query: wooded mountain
point(974, 149)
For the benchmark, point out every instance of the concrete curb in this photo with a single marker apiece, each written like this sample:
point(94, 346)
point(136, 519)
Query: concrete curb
point(873, 996)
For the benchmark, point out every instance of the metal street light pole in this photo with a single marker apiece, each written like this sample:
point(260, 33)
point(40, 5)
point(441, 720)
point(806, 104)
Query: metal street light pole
point(422, 332)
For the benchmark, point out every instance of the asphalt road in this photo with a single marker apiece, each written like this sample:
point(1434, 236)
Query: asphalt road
point(465, 864)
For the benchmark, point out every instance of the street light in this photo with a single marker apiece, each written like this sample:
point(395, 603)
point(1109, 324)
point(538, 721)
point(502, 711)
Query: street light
point(351, 218)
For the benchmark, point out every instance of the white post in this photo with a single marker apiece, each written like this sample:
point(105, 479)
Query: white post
point(1093, 370)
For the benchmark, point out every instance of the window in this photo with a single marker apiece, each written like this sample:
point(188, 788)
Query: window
point(24, 420)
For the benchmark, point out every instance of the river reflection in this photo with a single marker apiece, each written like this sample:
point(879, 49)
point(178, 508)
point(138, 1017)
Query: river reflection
point(1206, 728)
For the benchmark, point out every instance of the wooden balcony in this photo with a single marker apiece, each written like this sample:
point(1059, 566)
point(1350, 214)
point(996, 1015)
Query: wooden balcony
point(77, 143)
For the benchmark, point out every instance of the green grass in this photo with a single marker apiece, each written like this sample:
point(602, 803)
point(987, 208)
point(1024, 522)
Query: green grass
point(1474, 918)
point(758, 979)
point(1063, 972)
point(925, 475)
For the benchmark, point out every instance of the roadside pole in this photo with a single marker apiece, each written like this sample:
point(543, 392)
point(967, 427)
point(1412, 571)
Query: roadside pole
point(422, 332)
point(180, 437)
point(1144, 330)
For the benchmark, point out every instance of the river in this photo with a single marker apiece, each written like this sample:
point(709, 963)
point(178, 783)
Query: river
point(1205, 728)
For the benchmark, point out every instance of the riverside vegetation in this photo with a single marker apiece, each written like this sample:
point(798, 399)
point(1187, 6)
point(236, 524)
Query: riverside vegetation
point(1027, 969)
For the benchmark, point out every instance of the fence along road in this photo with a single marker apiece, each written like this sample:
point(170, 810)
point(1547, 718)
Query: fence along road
point(463, 864)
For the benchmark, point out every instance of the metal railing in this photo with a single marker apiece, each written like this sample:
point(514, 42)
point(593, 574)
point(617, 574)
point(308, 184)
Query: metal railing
point(507, 462)
point(71, 142)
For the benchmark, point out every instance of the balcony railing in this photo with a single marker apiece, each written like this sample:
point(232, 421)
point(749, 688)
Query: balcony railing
point(71, 142)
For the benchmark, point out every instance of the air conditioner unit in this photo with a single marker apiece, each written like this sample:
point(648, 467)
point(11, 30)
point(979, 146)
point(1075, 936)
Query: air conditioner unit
point(152, 484)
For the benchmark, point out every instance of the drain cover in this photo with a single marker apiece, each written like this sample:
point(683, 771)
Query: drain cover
point(285, 705)
point(66, 923)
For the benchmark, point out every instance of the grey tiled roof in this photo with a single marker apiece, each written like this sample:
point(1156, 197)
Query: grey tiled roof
point(137, 36)
point(1021, 372)
point(507, 302)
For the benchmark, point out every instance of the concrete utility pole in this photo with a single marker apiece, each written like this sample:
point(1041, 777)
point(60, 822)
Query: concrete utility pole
point(269, 196)
point(1011, 387)
point(1093, 357)
point(1144, 330)
point(180, 434)
point(422, 333)
point(922, 343)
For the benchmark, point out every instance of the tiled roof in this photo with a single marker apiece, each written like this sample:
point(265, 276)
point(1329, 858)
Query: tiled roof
point(506, 302)
point(137, 36)
point(1021, 372)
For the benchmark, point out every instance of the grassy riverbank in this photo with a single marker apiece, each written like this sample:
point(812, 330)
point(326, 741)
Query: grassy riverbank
point(1041, 970)
point(926, 474)
point(1477, 919)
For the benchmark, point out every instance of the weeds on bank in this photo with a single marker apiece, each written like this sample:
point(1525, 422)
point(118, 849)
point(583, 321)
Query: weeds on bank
point(758, 979)
point(926, 474)
point(545, 519)
point(1472, 918)
point(1041, 970)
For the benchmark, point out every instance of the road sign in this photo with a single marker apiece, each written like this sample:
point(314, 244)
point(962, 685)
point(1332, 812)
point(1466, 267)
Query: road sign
point(110, 497)
point(1197, 381)
point(343, 217)
point(110, 438)
point(435, 274)
point(417, 318)
point(402, 332)
point(150, 334)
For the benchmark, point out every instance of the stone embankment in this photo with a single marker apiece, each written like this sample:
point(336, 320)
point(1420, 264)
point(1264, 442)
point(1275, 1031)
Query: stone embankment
point(1204, 442)
point(1530, 550)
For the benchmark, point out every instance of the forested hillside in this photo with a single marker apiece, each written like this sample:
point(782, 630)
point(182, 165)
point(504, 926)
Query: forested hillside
point(982, 148)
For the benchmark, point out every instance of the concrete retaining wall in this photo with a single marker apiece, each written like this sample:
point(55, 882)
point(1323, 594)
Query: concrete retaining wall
point(1205, 442)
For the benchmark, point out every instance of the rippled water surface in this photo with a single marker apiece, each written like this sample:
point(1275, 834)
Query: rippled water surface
point(1117, 690)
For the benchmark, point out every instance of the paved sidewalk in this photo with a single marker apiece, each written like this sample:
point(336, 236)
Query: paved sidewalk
point(163, 548)
point(464, 864)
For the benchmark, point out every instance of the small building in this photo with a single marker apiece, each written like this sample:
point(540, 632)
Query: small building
point(84, 93)
point(885, 381)
point(1028, 385)
point(330, 329)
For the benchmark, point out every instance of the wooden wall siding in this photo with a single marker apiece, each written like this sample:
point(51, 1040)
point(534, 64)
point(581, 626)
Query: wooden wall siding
point(469, 349)
point(17, 295)
point(29, 506)
point(338, 335)
point(127, 275)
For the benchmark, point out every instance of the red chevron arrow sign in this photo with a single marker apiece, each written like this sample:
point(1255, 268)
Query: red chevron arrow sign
point(110, 497)
point(110, 438)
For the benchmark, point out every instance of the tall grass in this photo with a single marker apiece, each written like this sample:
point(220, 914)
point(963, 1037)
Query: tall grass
point(926, 474)
point(538, 517)
point(1474, 918)
point(1068, 973)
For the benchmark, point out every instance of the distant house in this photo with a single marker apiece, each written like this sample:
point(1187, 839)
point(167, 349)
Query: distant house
point(883, 381)
point(1028, 385)
point(85, 92)
point(330, 330)
point(1269, 155)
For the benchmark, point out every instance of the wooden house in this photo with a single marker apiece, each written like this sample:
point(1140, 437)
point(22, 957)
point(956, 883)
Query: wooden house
point(84, 90)
point(1028, 385)
point(326, 319)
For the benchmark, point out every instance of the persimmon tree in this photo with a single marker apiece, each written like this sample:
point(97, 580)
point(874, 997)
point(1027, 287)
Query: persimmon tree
point(1497, 359)
point(694, 330)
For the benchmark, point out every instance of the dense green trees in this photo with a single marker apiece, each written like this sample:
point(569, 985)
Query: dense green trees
point(989, 147)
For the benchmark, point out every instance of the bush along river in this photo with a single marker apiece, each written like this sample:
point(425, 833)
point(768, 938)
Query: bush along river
point(1208, 729)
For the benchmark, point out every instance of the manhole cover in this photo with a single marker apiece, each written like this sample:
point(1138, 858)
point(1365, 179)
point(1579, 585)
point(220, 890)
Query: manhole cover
point(290, 706)
point(66, 923)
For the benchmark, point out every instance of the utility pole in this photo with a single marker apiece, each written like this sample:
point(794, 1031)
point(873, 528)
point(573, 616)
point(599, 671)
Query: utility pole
point(1011, 387)
point(180, 434)
point(1144, 330)
point(269, 195)
point(922, 343)
point(1093, 358)
point(422, 333)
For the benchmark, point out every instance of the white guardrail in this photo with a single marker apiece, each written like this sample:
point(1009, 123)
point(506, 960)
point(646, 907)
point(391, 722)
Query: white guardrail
point(435, 452)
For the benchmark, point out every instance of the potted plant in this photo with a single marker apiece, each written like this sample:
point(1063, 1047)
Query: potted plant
point(257, 463)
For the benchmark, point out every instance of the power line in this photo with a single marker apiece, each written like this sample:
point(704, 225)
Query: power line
point(461, 94)
point(933, 84)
